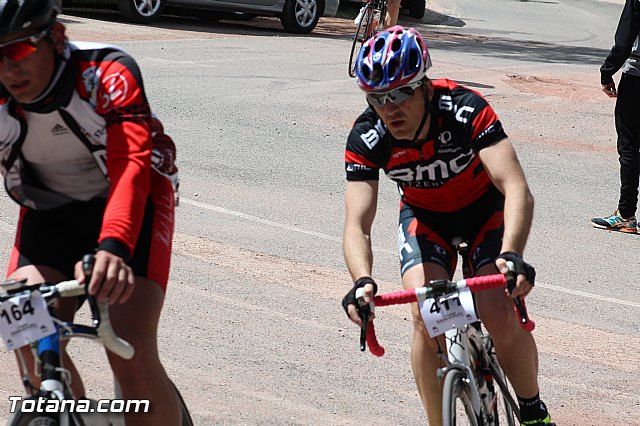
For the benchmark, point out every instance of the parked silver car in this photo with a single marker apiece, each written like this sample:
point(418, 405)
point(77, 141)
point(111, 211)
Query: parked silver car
point(297, 16)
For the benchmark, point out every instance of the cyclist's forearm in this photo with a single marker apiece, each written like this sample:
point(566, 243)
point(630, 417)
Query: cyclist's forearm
point(357, 253)
point(518, 215)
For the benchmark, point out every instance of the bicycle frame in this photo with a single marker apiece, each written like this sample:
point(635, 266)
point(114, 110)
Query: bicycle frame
point(54, 380)
point(459, 358)
point(457, 341)
point(52, 343)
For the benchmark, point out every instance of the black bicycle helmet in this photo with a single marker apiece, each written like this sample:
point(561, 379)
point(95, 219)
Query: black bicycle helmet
point(18, 16)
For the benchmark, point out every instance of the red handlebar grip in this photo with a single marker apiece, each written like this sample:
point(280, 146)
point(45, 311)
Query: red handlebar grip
point(396, 298)
point(486, 282)
point(372, 341)
point(475, 284)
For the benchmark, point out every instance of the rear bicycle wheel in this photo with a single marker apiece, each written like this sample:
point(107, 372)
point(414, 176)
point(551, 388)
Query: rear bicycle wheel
point(456, 401)
point(359, 37)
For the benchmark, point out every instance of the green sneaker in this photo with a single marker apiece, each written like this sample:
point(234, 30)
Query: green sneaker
point(544, 422)
point(615, 222)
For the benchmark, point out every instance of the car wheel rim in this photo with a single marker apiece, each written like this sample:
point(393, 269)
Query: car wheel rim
point(147, 7)
point(306, 11)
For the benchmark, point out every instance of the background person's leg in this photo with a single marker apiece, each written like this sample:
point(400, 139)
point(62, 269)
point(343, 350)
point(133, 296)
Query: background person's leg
point(393, 10)
point(628, 128)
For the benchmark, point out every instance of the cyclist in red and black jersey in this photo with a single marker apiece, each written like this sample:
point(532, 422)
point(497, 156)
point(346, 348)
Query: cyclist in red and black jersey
point(93, 170)
point(458, 176)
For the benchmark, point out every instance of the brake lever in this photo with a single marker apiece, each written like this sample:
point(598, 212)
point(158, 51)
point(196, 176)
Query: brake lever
point(511, 285)
point(364, 312)
point(87, 267)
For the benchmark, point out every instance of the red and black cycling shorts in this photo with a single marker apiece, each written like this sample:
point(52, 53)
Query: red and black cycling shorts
point(426, 236)
point(59, 237)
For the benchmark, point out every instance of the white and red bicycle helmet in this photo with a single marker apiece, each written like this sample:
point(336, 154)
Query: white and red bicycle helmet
point(392, 58)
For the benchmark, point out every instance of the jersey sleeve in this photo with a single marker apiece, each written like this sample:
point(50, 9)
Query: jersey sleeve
point(363, 146)
point(626, 35)
point(483, 126)
point(123, 104)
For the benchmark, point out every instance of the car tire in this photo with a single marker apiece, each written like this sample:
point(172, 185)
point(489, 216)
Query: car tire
point(141, 11)
point(416, 8)
point(301, 16)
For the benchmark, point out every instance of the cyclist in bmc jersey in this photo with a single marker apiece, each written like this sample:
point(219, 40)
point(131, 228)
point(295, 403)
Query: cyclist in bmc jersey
point(93, 171)
point(458, 176)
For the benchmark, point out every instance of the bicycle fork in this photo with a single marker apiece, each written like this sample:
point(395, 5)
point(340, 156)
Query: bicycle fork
point(458, 358)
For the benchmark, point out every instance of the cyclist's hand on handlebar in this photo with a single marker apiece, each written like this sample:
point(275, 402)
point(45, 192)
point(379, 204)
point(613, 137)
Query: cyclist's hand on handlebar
point(350, 303)
point(112, 279)
point(525, 273)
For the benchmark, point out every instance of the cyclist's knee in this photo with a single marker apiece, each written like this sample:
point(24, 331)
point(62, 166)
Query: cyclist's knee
point(146, 352)
point(420, 335)
point(418, 323)
point(141, 367)
point(500, 321)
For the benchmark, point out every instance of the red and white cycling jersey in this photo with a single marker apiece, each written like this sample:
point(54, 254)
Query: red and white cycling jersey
point(441, 174)
point(91, 134)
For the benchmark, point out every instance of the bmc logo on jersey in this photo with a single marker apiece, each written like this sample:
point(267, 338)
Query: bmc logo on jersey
point(373, 136)
point(462, 114)
point(435, 171)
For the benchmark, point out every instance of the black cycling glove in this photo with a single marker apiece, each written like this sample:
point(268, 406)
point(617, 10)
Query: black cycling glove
point(350, 297)
point(520, 266)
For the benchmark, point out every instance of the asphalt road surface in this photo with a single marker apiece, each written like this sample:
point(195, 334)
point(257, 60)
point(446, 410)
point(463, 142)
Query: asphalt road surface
point(252, 330)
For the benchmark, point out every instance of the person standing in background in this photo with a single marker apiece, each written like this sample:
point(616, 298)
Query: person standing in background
point(625, 54)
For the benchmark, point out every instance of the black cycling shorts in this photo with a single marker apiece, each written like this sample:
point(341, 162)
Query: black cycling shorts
point(60, 237)
point(426, 236)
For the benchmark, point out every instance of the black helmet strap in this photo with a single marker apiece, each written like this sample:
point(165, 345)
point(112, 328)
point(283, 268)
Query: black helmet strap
point(425, 115)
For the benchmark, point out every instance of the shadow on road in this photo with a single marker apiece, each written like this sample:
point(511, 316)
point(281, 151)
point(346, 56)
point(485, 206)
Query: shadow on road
point(341, 28)
point(517, 50)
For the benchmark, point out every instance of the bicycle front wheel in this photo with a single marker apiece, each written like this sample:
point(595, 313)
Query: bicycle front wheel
point(33, 419)
point(456, 401)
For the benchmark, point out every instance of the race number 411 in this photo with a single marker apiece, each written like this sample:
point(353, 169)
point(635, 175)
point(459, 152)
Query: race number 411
point(447, 312)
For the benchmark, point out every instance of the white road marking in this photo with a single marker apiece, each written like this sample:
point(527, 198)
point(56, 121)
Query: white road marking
point(589, 295)
point(266, 222)
point(173, 62)
point(337, 239)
